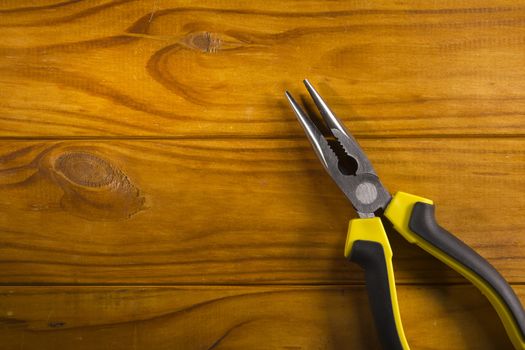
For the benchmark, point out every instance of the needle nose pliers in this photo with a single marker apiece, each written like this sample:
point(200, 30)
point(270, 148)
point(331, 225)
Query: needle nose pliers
point(412, 216)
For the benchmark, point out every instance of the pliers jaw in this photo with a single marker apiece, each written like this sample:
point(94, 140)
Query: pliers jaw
point(361, 184)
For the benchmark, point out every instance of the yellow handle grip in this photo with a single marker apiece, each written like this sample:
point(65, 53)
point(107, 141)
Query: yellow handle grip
point(368, 246)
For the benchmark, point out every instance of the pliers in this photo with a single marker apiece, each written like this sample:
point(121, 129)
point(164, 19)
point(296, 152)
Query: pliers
point(412, 216)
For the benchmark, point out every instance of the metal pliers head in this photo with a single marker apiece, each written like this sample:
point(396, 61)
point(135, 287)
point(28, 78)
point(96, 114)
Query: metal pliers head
point(349, 167)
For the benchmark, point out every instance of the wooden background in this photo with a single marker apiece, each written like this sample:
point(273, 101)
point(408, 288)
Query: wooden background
point(156, 192)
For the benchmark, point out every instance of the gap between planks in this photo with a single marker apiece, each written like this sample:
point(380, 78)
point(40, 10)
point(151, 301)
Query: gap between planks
point(234, 285)
point(262, 137)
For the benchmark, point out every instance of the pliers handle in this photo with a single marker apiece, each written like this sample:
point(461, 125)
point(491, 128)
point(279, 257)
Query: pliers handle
point(413, 217)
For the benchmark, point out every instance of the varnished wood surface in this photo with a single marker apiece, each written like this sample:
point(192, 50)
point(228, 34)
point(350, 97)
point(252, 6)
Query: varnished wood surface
point(247, 211)
point(177, 68)
point(452, 317)
point(156, 192)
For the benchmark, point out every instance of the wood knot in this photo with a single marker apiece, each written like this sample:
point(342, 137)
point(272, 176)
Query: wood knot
point(203, 41)
point(178, 66)
point(85, 169)
point(93, 187)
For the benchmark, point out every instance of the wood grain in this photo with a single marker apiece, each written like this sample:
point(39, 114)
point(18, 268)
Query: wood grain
point(239, 318)
point(239, 211)
point(174, 69)
point(156, 192)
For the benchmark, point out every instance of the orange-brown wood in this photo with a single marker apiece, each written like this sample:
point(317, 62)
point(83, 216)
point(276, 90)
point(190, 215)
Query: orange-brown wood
point(149, 143)
point(435, 317)
point(246, 211)
point(180, 68)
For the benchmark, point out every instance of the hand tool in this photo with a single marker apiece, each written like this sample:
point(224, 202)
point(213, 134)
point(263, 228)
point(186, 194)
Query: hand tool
point(412, 216)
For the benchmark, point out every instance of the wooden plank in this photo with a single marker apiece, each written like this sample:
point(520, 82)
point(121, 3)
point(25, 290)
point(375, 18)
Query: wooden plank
point(239, 211)
point(434, 317)
point(170, 68)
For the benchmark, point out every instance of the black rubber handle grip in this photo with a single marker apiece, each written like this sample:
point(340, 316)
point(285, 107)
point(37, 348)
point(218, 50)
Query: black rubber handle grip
point(423, 223)
point(371, 257)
